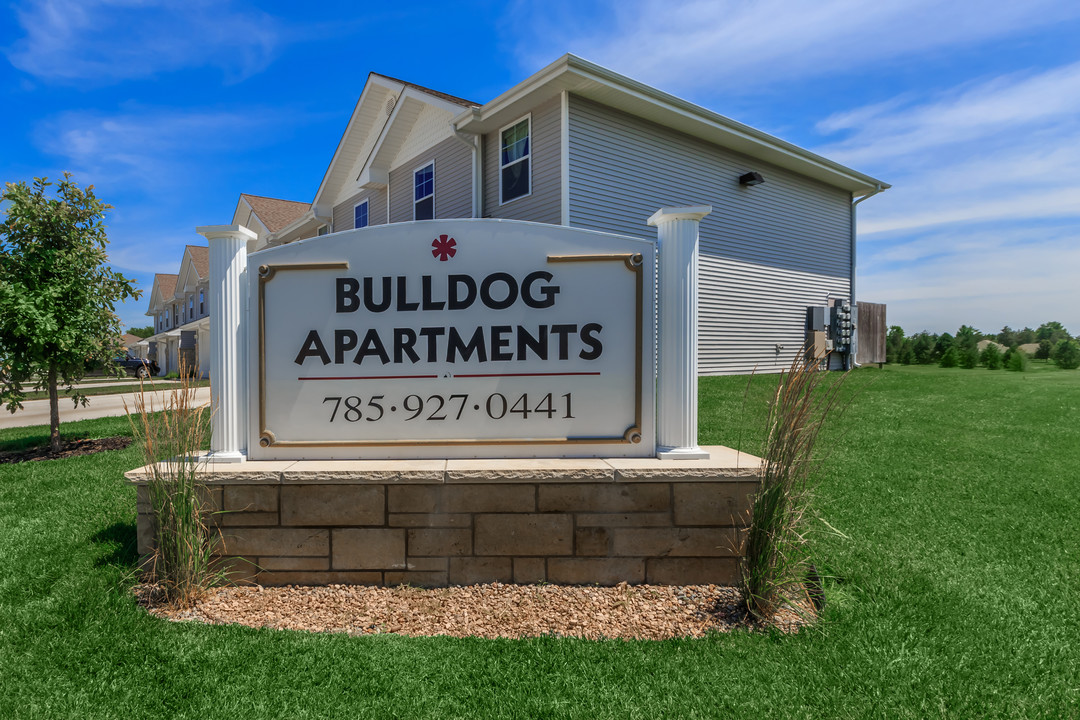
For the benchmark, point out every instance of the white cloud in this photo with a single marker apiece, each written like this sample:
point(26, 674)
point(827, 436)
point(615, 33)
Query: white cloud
point(1005, 148)
point(689, 45)
point(152, 148)
point(979, 276)
point(103, 41)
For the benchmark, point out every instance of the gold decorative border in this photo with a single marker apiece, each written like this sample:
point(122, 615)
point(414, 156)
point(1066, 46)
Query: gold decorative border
point(633, 262)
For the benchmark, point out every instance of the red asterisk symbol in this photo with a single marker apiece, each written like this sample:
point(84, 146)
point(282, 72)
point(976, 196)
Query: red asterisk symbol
point(443, 248)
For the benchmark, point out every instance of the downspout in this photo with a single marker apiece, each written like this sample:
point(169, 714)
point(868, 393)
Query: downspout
point(472, 141)
point(850, 361)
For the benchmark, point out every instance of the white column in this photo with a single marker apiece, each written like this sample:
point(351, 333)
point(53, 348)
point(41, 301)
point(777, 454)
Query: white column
point(677, 323)
point(228, 340)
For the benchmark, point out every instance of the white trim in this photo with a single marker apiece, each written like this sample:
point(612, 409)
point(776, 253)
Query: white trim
point(368, 213)
point(564, 158)
point(417, 169)
point(594, 81)
point(527, 156)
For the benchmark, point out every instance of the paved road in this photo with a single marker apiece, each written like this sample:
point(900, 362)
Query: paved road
point(36, 412)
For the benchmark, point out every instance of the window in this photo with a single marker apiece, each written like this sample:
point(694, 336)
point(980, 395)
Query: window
point(191, 308)
point(175, 315)
point(360, 215)
point(202, 306)
point(166, 317)
point(514, 154)
point(424, 193)
point(324, 230)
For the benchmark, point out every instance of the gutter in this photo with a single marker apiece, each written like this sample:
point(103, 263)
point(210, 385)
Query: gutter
point(852, 359)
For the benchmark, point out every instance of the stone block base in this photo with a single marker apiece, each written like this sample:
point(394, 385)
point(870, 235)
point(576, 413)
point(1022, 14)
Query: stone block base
point(461, 522)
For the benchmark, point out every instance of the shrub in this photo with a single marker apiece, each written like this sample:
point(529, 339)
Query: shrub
point(180, 566)
point(950, 358)
point(1017, 361)
point(776, 562)
point(991, 357)
point(1067, 354)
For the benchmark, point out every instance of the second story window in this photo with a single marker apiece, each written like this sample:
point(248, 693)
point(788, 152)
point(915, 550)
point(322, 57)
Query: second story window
point(324, 230)
point(191, 308)
point(175, 315)
point(202, 306)
point(360, 215)
point(166, 317)
point(514, 159)
point(424, 193)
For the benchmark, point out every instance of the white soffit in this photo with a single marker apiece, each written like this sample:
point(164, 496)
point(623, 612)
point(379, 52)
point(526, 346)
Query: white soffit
point(601, 85)
point(360, 134)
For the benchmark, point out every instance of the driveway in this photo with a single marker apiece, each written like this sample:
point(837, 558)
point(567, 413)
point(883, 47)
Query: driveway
point(36, 412)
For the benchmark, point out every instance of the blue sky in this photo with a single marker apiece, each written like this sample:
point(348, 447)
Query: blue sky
point(971, 110)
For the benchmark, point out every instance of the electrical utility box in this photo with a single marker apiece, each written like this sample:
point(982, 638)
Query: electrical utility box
point(832, 329)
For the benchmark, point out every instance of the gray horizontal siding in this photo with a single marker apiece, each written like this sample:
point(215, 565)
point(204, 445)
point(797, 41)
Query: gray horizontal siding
point(544, 203)
point(766, 252)
point(453, 182)
point(343, 212)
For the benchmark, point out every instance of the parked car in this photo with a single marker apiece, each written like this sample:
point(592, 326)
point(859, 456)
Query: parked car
point(137, 367)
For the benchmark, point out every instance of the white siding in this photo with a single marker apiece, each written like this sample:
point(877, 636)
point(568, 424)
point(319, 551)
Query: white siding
point(766, 252)
point(543, 204)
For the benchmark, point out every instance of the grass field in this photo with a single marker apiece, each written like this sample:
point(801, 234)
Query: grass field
point(955, 590)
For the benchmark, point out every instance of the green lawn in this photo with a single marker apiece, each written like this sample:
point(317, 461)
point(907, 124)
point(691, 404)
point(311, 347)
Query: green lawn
point(956, 589)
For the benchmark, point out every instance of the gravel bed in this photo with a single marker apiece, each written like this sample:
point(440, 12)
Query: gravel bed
point(496, 610)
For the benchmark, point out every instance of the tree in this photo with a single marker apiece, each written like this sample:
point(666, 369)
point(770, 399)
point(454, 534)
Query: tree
point(991, 357)
point(1045, 348)
point(1016, 361)
point(967, 337)
point(1025, 336)
point(1067, 354)
point(143, 332)
point(56, 293)
point(969, 358)
point(923, 345)
point(894, 342)
point(1007, 336)
point(950, 358)
point(942, 344)
point(1053, 331)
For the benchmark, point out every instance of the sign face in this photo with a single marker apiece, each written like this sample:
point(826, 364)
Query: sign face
point(453, 338)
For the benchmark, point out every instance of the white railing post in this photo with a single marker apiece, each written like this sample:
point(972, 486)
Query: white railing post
point(677, 324)
point(228, 340)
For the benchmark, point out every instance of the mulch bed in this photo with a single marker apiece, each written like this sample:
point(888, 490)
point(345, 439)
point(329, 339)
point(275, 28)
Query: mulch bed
point(71, 448)
point(495, 610)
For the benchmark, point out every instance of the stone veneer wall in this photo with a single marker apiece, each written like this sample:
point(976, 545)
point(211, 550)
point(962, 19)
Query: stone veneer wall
point(437, 523)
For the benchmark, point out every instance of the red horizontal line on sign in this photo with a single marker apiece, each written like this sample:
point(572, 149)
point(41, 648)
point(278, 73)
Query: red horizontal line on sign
point(562, 374)
point(373, 377)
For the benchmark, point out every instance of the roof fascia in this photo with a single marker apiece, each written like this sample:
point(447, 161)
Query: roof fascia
point(410, 93)
point(373, 80)
point(576, 74)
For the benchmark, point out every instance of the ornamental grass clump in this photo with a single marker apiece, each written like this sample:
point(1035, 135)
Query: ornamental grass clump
point(180, 566)
point(776, 564)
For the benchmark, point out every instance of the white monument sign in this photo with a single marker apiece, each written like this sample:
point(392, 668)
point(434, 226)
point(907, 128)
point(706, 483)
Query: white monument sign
point(452, 338)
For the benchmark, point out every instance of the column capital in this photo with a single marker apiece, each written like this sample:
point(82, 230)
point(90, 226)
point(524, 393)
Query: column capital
point(216, 232)
point(668, 214)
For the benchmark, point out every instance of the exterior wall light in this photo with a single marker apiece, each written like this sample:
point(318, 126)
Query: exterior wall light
point(751, 179)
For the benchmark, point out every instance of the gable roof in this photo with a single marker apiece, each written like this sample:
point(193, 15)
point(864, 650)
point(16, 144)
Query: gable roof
point(273, 212)
point(435, 93)
point(377, 109)
point(165, 284)
point(200, 259)
point(581, 77)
